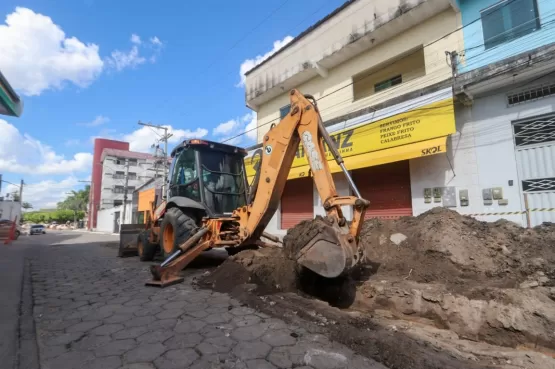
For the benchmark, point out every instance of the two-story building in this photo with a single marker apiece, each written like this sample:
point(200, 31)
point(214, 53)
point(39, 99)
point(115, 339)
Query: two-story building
point(382, 78)
point(505, 142)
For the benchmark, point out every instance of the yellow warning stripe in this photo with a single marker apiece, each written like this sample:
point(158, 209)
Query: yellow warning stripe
point(512, 212)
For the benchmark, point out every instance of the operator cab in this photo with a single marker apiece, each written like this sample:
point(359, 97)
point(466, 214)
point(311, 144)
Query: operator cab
point(210, 173)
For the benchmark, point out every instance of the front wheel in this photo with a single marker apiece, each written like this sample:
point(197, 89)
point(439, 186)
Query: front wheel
point(177, 227)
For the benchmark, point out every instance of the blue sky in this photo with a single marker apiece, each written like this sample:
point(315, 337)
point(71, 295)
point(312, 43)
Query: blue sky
point(93, 68)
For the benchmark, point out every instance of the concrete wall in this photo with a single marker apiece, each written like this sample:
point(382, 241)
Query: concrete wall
point(477, 56)
point(338, 84)
point(483, 156)
point(105, 218)
point(10, 209)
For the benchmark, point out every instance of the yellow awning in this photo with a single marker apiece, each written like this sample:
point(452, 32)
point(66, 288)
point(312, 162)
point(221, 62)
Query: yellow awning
point(398, 153)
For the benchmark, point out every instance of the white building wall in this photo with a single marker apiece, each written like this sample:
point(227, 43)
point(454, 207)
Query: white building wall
point(10, 209)
point(106, 217)
point(483, 156)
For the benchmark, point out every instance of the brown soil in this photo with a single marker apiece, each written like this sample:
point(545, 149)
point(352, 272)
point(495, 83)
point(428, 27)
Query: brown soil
point(460, 286)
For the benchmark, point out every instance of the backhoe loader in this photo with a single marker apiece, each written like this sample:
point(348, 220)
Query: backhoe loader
point(210, 204)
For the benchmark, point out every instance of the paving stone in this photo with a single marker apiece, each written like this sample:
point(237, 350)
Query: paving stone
point(156, 336)
point(248, 333)
point(186, 340)
point(217, 345)
point(145, 352)
point(218, 318)
point(197, 313)
point(176, 359)
point(242, 310)
point(107, 329)
point(279, 338)
point(219, 330)
point(189, 326)
point(119, 318)
point(162, 324)
point(111, 362)
point(139, 321)
point(175, 305)
point(83, 326)
point(145, 311)
point(115, 348)
point(90, 342)
point(251, 350)
point(60, 325)
point(259, 364)
point(172, 313)
point(53, 351)
point(130, 333)
point(71, 359)
point(139, 366)
point(246, 320)
point(62, 338)
point(280, 358)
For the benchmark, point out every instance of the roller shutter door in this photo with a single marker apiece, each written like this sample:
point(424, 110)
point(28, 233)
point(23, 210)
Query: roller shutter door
point(296, 202)
point(387, 187)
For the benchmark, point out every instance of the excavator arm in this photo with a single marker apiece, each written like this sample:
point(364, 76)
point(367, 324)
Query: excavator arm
point(337, 251)
point(330, 252)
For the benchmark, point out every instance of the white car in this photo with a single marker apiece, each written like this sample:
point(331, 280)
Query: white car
point(37, 229)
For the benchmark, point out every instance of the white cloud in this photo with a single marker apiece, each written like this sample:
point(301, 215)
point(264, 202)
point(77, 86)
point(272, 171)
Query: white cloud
point(238, 131)
point(156, 41)
point(130, 59)
point(251, 63)
point(47, 193)
point(98, 121)
point(136, 39)
point(142, 138)
point(21, 153)
point(226, 127)
point(36, 55)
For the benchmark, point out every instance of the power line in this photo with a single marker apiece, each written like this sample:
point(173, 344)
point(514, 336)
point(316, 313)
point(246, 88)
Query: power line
point(379, 70)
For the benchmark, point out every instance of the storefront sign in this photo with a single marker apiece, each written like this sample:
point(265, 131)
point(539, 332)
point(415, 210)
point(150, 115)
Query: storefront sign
point(421, 124)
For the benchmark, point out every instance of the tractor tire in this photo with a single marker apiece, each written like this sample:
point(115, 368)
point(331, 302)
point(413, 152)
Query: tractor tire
point(177, 226)
point(145, 249)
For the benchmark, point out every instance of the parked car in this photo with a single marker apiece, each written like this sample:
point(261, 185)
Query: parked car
point(37, 229)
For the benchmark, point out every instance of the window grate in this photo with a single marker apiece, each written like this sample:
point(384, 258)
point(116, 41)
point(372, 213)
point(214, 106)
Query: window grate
point(535, 131)
point(531, 95)
point(539, 185)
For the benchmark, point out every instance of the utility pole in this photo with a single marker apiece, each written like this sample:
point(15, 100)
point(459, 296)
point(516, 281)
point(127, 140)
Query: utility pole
point(124, 194)
point(0, 184)
point(21, 192)
point(164, 139)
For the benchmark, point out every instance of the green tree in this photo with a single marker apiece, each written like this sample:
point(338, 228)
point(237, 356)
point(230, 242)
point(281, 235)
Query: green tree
point(26, 205)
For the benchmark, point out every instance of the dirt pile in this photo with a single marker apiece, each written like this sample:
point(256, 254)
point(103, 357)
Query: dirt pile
point(443, 246)
point(486, 283)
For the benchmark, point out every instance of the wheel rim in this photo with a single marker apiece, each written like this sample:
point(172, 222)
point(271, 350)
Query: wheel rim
point(168, 238)
point(140, 248)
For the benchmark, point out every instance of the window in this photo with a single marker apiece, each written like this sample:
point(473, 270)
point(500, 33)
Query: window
point(118, 202)
point(132, 162)
point(141, 217)
point(380, 86)
point(130, 188)
point(531, 94)
point(119, 175)
point(118, 189)
point(184, 178)
point(284, 111)
point(132, 175)
point(508, 20)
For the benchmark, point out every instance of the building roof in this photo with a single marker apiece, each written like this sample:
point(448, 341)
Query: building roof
point(10, 103)
point(304, 33)
point(126, 154)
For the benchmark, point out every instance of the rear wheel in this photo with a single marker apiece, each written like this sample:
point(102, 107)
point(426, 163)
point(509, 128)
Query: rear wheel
point(145, 249)
point(177, 227)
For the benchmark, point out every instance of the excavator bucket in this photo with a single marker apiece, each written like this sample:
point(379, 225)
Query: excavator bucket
point(324, 250)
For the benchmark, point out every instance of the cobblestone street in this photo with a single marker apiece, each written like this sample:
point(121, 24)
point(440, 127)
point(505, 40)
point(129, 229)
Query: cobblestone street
point(92, 310)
